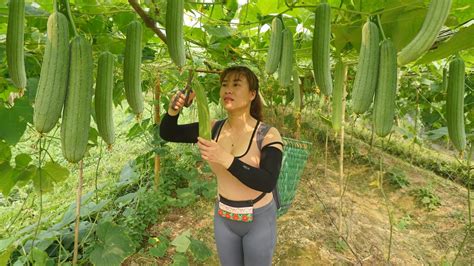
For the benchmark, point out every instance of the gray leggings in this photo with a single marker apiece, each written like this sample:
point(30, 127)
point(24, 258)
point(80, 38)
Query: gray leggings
point(241, 243)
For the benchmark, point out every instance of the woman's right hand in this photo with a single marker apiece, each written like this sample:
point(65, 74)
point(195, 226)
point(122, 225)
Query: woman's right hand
point(176, 103)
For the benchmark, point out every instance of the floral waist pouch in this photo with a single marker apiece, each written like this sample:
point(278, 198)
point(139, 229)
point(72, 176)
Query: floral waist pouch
point(241, 211)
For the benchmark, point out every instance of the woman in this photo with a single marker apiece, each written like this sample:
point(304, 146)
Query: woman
point(245, 155)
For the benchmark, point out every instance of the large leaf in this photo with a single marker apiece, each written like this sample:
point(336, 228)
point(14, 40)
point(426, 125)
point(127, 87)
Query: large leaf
point(351, 33)
point(24, 171)
point(199, 250)
point(14, 120)
point(182, 241)
point(249, 13)
point(462, 40)
point(38, 257)
point(218, 31)
point(70, 215)
point(463, 9)
point(402, 20)
point(5, 153)
point(113, 245)
point(22, 160)
point(49, 173)
point(6, 249)
point(7, 180)
point(268, 7)
point(180, 260)
point(160, 245)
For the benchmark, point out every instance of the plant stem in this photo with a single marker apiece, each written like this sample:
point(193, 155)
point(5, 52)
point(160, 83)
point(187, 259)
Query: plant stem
point(326, 144)
point(97, 173)
point(469, 205)
point(18, 214)
point(40, 147)
point(69, 14)
point(387, 204)
point(380, 26)
point(78, 213)
point(371, 142)
point(416, 125)
point(157, 118)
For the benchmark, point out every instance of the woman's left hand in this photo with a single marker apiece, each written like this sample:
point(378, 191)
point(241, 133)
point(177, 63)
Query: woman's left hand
point(214, 153)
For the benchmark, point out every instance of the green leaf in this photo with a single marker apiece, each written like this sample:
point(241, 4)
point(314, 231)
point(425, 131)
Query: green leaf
point(51, 172)
point(402, 21)
point(22, 160)
point(162, 243)
point(55, 171)
point(199, 250)
point(326, 120)
point(5, 152)
point(15, 119)
point(136, 131)
point(38, 257)
point(463, 9)
point(182, 241)
point(217, 13)
point(6, 249)
point(7, 181)
point(93, 136)
point(91, 207)
point(96, 24)
point(6, 243)
point(122, 19)
point(347, 34)
point(196, 34)
point(218, 31)
point(25, 174)
point(186, 195)
point(180, 260)
point(462, 40)
point(158, 251)
point(232, 6)
point(268, 7)
point(128, 174)
point(125, 199)
point(249, 13)
point(107, 42)
point(113, 245)
point(437, 133)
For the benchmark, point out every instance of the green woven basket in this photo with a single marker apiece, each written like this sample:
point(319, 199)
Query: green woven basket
point(295, 155)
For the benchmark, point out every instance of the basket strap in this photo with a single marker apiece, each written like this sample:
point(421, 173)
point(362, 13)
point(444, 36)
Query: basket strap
point(261, 132)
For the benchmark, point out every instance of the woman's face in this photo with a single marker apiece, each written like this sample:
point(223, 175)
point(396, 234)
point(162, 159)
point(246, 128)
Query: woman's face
point(235, 93)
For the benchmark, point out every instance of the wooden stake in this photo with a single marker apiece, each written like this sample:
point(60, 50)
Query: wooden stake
point(78, 213)
point(341, 150)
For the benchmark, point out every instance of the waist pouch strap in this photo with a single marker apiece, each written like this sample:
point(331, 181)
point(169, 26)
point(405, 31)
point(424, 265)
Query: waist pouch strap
point(241, 210)
point(241, 203)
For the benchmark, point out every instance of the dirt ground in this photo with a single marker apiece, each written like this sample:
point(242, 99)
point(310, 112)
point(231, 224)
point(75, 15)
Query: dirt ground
point(308, 234)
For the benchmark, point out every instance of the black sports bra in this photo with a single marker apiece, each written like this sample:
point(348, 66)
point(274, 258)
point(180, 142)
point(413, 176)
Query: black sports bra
point(219, 124)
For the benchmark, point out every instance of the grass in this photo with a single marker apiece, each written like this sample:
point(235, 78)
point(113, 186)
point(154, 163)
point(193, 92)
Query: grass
point(56, 202)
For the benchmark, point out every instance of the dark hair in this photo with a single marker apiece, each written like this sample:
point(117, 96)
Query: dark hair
point(256, 104)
